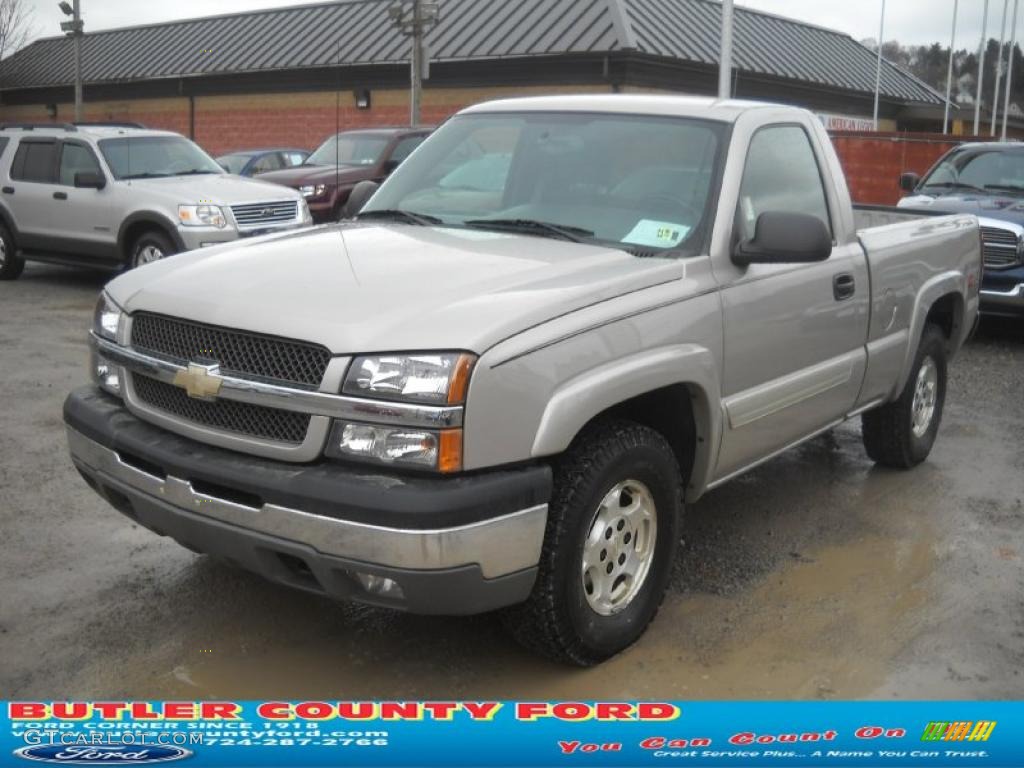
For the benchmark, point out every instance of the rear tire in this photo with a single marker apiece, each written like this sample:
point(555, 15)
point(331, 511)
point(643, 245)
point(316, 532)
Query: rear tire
point(11, 264)
point(150, 246)
point(611, 539)
point(900, 434)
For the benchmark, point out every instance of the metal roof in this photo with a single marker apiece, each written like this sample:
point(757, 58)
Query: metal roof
point(359, 32)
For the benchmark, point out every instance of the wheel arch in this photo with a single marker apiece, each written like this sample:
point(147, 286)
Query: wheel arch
point(673, 390)
point(8, 221)
point(134, 225)
point(940, 301)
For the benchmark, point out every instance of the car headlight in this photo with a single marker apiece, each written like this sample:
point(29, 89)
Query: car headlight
point(106, 318)
point(313, 190)
point(427, 378)
point(202, 216)
point(106, 324)
point(434, 379)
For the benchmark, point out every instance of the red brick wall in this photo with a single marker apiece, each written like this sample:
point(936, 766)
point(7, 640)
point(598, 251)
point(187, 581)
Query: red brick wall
point(873, 162)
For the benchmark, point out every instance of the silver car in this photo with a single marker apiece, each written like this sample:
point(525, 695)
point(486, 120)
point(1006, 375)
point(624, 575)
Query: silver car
point(109, 196)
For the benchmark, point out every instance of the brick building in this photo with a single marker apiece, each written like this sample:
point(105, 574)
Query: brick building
point(289, 76)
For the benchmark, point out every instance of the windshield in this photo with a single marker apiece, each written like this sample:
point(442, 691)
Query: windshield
point(983, 168)
point(141, 157)
point(641, 183)
point(349, 149)
point(234, 163)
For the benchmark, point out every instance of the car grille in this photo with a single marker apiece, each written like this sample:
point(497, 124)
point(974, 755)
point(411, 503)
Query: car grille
point(260, 214)
point(239, 353)
point(999, 247)
point(227, 415)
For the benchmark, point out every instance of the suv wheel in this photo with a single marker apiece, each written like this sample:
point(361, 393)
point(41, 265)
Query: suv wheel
point(11, 264)
point(611, 538)
point(900, 434)
point(149, 247)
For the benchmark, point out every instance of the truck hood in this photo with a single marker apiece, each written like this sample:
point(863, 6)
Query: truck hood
point(319, 174)
point(218, 189)
point(998, 207)
point(379, 287)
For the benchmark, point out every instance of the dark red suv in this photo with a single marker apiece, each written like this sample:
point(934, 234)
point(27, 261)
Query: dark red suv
point(342, 161)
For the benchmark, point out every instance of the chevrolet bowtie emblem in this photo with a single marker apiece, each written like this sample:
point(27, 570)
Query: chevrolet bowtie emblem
point(200, 381)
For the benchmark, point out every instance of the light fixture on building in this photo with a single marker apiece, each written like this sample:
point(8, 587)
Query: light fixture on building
point(51, 111)
point(362, 97)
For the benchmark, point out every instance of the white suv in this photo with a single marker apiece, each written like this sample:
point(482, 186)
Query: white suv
point(109, 196)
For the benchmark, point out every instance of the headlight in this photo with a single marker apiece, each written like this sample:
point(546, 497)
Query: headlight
point(106, 318)
point(439, 450)
point(106, 323)
point(202, 216)
point(311, 190)
point(435, 379)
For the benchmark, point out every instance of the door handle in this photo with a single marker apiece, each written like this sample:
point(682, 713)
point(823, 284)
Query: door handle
point(843, 286)
point(60, 195)
point(8, 190)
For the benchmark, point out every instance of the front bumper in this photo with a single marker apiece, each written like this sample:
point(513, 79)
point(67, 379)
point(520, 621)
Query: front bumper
point(203, 237)
point(458, 545)
point(1003, 302)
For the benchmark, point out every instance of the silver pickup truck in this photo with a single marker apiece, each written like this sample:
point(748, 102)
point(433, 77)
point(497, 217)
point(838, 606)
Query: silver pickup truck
point(558, 322)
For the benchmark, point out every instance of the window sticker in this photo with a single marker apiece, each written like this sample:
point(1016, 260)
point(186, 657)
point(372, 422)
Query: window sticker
point(657, 234)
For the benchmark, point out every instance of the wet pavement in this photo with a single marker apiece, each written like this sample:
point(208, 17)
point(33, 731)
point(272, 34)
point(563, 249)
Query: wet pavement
point(815, 576)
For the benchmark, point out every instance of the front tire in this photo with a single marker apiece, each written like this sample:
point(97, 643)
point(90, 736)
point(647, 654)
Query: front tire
point(149, 247)
point(11, 264)
point(900, 434)
point(611, 539)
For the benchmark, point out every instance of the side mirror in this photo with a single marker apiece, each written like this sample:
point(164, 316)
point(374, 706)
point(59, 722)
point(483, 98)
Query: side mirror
point(909, 181)
point(359, 197)
point(90, 180)
point(785, 238)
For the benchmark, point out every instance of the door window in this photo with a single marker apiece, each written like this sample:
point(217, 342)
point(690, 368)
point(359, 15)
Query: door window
point(294, 158)
point(75, 158)
point(781, 175)
point(405, 147)
point(268, 162)
point(34, 161)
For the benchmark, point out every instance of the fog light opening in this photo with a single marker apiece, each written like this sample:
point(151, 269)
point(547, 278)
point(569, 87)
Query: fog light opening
point(381, 586)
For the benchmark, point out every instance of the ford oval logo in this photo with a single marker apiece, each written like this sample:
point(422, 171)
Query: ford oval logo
point(101, 755)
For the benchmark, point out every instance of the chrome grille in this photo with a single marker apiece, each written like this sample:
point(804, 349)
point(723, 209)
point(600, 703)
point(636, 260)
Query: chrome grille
point(239, 353)
point(259, 214)
point(999, 247)
point(228, 415)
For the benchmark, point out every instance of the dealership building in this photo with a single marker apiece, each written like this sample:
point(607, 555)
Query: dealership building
point(289, 76)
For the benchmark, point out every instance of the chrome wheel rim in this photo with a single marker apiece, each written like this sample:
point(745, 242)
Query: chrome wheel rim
point(925, 394)
point(619, 548)
point(148, 254)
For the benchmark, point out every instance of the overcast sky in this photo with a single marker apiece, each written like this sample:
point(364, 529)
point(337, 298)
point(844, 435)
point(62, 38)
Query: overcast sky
point(910, 21)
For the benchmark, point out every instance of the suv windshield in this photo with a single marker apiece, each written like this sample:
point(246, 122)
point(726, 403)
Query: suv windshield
point(234, 163)
point(640, 183)
point(349, 149)
point(980, 168)
point(146, 157)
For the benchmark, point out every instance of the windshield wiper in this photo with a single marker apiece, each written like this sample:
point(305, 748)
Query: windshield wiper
point(532, 226)
point(146, 175)
point(397, 213)
point(195, 172)
point(1006, 187)
point(953, 185)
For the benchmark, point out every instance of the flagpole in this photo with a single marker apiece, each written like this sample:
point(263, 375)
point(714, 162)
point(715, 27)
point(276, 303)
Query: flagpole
point(981, 70)
point(949, 70)
point(878, 63)
point(1009, 68)
point(999, 68)
point(725, 61)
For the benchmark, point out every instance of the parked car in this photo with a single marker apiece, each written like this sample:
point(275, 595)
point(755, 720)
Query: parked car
point(342, 161)
point(457, 412)
point(114, 196)
point(253, 162)
point(986, 179)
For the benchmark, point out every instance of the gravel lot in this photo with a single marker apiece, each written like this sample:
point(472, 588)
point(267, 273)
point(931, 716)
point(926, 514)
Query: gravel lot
point(815, 576)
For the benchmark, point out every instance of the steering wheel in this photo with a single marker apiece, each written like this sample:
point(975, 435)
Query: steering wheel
point(179, 165)
point(663, 202)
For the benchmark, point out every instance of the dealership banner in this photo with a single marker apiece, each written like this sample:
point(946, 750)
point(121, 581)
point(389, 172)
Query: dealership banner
point(509, 733)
